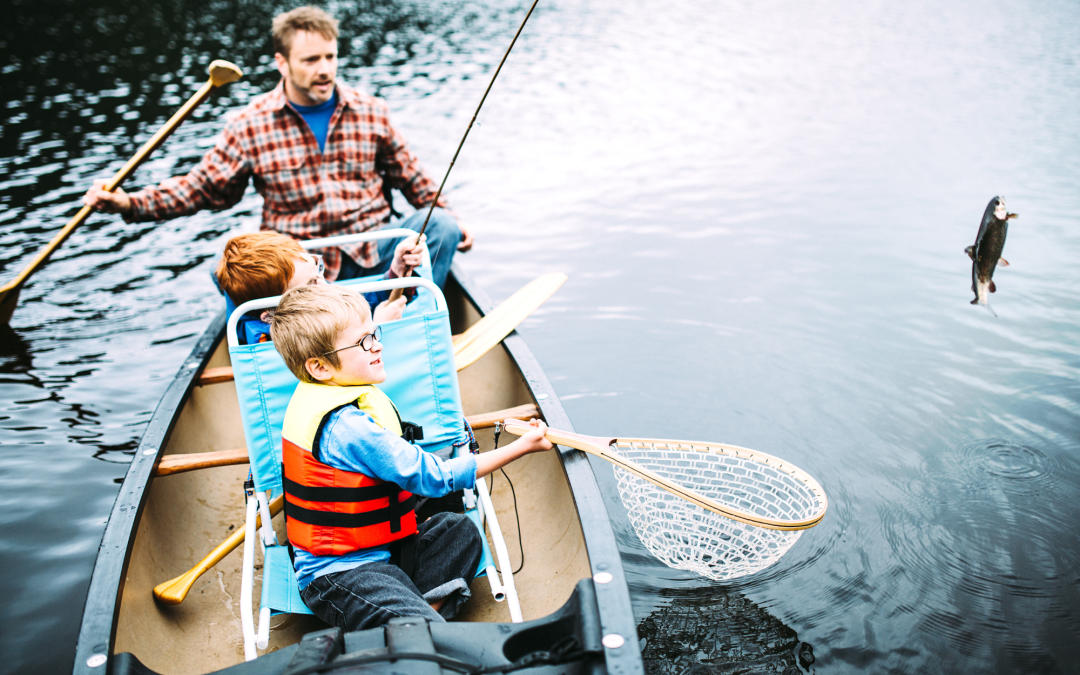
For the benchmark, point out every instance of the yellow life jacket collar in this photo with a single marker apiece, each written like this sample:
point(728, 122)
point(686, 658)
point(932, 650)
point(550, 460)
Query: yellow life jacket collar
point(312, 403)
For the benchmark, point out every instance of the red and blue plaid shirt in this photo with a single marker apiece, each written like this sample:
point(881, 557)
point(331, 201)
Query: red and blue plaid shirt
point(306, 193)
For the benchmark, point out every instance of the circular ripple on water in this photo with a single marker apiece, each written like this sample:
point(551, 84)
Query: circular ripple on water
point(974, 540)
point(1009, 460)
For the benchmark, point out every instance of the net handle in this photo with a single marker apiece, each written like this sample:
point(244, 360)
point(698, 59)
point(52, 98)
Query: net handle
point(601, 447)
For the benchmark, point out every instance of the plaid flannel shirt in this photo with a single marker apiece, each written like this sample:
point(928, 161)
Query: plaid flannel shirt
point(306, 193)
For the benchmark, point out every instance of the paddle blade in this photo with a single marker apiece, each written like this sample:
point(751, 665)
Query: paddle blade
point(8, 300)
point(174, 591)
point(496, 325)
point(223, 72)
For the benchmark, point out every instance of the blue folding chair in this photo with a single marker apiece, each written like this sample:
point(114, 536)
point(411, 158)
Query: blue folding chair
point(422, 382)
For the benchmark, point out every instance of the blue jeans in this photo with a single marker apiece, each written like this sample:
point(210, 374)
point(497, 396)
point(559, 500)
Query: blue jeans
point(448, 552)
point(443, 236)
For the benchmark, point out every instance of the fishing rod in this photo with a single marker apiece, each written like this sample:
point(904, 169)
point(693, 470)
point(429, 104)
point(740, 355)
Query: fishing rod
point(396, 293)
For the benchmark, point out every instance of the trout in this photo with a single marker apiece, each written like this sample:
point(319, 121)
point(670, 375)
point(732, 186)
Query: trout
point(985, 254)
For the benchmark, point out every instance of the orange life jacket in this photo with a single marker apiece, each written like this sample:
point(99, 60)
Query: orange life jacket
point(330, 511)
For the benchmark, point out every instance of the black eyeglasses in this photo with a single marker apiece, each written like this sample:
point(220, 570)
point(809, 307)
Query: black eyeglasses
point(366, 342)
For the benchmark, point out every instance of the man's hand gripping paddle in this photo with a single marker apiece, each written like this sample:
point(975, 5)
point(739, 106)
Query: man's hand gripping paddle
point(221, 73)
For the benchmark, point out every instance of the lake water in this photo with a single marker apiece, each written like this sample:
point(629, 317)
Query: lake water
point(762, 208)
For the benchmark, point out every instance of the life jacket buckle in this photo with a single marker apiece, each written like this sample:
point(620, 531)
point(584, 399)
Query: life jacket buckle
point(412, 432)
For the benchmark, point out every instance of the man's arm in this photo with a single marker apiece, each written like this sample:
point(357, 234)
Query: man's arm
point(217, 182)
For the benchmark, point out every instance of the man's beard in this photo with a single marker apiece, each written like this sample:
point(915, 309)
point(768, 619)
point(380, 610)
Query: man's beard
point(312, 93)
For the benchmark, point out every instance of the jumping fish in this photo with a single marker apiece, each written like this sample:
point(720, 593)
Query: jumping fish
point(985, 254)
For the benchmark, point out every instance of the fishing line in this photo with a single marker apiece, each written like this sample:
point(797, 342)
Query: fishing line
point(473, 120)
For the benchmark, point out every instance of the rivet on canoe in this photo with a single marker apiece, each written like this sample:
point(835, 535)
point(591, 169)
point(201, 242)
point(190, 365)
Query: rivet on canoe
point(150, 451)
point(541, 397)
point(613, 641)
point(603, 577)
point(96, 661)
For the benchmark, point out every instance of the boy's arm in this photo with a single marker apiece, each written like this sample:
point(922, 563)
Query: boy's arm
point(407, 256)
point(493, 460)
point(354, 442)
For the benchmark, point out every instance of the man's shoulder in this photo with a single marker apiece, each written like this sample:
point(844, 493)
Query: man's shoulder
point(257, 110)
point(360, 100)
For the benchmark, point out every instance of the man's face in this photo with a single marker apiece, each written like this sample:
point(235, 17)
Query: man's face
point(310, 68)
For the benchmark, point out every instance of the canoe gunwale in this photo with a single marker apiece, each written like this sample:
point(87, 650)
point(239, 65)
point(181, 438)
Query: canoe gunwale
point(612, 598)
point(101, 613)
point(97, 632)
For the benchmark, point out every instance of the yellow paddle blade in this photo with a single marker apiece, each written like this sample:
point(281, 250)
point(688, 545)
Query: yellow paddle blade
point(490, 330)
point(174, 591)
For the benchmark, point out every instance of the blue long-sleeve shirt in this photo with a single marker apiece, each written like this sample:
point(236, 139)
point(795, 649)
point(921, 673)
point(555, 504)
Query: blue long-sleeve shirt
point(353, 441)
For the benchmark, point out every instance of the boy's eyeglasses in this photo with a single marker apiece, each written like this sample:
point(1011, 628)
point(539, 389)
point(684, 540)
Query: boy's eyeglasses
point(320, 267)
point(366, 342)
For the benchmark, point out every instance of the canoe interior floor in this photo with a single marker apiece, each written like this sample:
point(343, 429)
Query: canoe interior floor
point(188, 514)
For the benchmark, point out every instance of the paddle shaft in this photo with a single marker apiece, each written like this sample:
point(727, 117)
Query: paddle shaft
point(601, 447)
point(172, 464)
point(396, 293)
point(217, 78)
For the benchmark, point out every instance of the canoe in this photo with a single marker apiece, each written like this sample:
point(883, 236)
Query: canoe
point(572, 580)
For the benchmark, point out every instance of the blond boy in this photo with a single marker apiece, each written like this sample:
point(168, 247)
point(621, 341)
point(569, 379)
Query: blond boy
point(350, 480)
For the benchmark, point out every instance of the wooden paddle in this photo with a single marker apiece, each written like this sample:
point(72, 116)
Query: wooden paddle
point(497, 324)
point(174, 591)
point(221, 73)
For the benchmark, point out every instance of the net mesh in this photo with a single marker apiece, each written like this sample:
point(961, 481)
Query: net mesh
point(688, 537)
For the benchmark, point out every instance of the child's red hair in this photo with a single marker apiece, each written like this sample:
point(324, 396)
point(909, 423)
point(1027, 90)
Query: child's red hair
point(257, 265)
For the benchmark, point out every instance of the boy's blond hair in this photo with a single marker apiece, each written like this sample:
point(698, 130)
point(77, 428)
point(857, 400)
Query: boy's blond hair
point(308, 321)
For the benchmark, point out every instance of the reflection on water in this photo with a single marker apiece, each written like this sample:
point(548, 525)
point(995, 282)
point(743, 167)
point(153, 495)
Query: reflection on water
point(702, 632)
point(762, 207)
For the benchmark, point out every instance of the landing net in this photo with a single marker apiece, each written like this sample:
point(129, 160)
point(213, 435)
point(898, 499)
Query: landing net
point(688, 537)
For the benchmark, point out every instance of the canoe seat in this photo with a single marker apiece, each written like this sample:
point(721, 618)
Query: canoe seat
point(279, 589)
point(421, 379)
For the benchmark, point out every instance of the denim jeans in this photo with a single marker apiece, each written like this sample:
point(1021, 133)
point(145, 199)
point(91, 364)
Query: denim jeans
point(443, 236)
point(447, 554)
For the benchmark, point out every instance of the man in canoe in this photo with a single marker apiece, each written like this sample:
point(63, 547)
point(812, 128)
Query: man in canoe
point(361, 557)
point(319, 152)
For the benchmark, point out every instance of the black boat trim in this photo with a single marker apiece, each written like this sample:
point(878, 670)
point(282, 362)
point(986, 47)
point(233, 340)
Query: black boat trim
point(97, 633)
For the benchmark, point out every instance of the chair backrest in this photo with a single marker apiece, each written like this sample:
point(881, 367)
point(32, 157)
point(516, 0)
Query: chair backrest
point(421, 377)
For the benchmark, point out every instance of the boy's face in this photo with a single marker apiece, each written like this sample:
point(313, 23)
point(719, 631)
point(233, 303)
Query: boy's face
point(307, 271)
point(358, 366)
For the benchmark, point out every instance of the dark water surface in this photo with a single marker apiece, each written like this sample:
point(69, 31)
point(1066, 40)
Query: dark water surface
point(762, 207)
